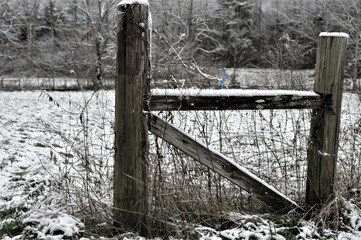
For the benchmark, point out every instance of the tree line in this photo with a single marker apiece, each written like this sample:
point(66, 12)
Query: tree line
point(76, 38)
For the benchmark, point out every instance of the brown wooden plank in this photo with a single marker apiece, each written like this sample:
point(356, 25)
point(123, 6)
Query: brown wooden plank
point(221, 164)
point(232, 99)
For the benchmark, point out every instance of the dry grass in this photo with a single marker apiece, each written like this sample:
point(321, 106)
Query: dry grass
point(183, 193)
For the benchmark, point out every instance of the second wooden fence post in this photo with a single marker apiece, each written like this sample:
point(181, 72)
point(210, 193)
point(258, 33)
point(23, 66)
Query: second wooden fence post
point(131, 127)
point(325, 123)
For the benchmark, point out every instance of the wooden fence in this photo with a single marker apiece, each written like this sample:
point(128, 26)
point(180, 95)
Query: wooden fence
point(51, 84)
point(134, 118)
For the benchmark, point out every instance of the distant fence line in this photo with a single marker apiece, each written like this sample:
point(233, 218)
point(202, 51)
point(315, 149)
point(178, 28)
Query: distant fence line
point(72, 84)
point(50, 84)
point(305, 82)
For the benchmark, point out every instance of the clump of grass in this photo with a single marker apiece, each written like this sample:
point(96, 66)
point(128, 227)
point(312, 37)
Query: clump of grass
point(9, 227)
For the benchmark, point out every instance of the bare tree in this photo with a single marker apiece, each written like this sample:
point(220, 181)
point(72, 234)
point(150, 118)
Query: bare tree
point(346, 16)
point(176, 25)
point(229, 38)
point(100, 33)
point(9, 33)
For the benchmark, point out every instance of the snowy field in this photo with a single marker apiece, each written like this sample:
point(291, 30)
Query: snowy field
point(44, 153)
point(56, 159)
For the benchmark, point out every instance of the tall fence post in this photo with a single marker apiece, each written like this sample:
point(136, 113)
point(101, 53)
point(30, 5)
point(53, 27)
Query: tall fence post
point(325, 123)
point(131, 127)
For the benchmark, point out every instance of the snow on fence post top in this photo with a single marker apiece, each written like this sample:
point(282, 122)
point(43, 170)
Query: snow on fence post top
point(334, 34)
point(131, 2)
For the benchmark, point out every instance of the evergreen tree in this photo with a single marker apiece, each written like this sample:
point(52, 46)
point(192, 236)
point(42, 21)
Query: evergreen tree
point(228, 37)
point(236, 21)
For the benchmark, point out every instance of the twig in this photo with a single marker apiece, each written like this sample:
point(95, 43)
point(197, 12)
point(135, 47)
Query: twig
point(194, 68)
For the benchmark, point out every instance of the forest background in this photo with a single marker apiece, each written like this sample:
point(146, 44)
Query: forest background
point(76, 38)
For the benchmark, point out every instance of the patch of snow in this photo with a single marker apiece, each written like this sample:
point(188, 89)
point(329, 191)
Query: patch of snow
point(207, 233)
point(348, 236)
point(48, 222)
point(256, 227)
point(307, 232)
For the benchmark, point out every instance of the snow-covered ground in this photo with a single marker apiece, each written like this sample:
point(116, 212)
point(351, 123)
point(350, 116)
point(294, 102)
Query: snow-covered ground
point(56, 163)
point(44, 153)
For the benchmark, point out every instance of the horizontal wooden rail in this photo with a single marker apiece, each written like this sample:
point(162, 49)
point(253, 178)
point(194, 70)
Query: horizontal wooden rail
point(232, 99)
point(221, 164)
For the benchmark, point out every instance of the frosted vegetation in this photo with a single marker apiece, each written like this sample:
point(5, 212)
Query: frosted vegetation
point(56, 154)
point(57, 158)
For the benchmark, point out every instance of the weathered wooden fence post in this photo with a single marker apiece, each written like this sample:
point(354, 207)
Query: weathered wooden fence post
point(131, 127)
point(325, 123)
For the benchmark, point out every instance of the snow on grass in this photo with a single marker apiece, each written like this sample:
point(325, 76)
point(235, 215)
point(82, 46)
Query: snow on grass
point(44, 141)
point(52, 222)
point(258, 227)
point(41, 155)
